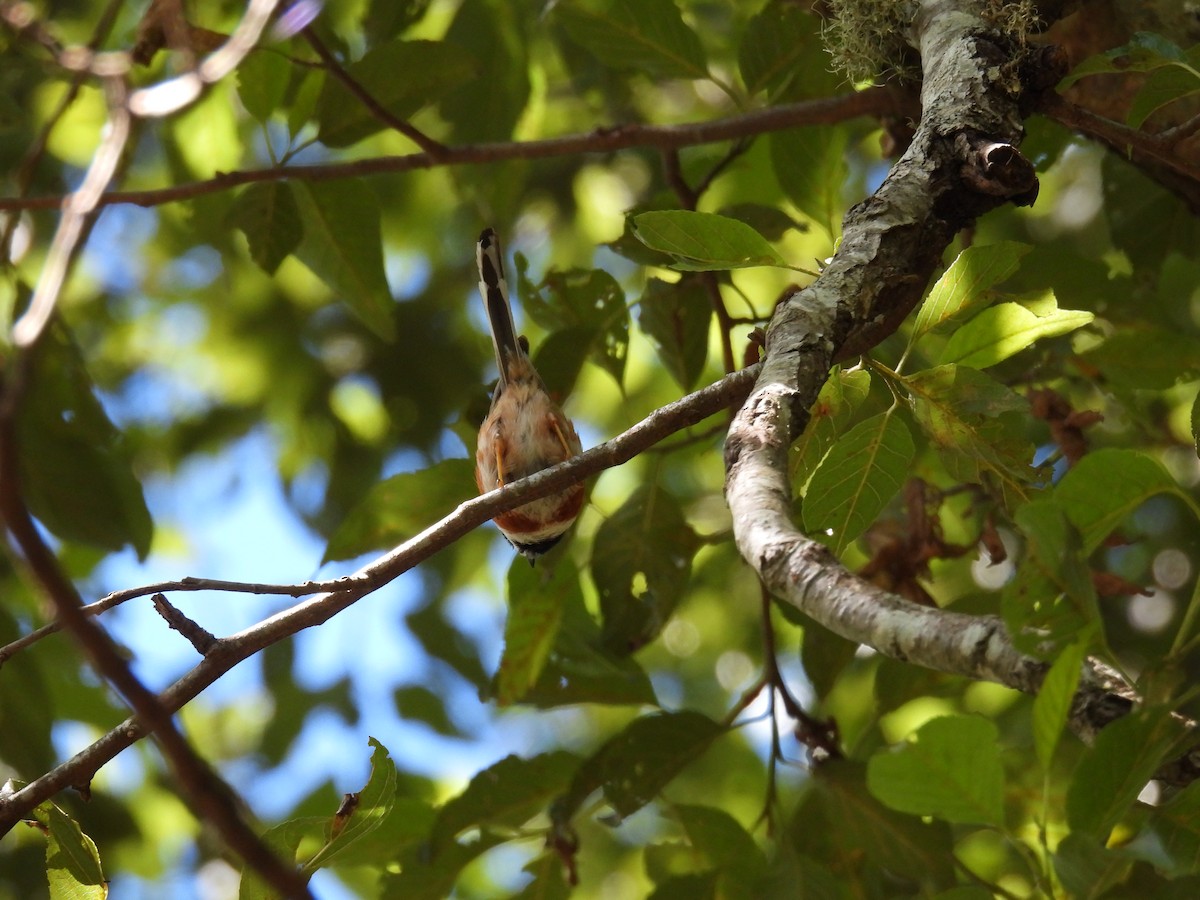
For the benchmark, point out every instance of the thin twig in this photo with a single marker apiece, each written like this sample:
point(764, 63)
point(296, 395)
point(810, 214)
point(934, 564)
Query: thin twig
point(434, 148)
point(198, 637)
point(871, 102)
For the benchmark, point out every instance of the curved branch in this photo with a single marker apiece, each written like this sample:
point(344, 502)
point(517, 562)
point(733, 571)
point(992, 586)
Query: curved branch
point(891, 244)
point(871, 102)
point(227, 652)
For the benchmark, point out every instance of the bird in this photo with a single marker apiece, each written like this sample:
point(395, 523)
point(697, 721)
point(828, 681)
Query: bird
point(525, 431)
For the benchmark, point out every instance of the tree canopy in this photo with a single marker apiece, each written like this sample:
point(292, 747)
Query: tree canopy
point(879, 322)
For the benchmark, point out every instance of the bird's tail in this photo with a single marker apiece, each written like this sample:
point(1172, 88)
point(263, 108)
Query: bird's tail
point(494, 290)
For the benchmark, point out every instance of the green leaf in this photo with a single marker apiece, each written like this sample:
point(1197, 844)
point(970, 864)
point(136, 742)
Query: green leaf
point(776, 43)
point(505, 795)
point(560, 357)
point(1149, 223)
point(417, 703)
point(1053, 701)
point(841, 396)
point(1113, 772)
point(385, 19)
point(977, 425)
point(641, 562)
point(1104, 488)
point(75, 475)
point(343, 247)
point(637, 763)
point(769, 221)
point(401, 506)
point(810, 164)
point(1088, 869)
point(950, 769)
point(963, 285)
point(72, 861)
point(403, 76)
point(580, 670)
point(426, 876)
point(1196, 423)
point(488, 107)
point(703, 242)
point(269, 217)
point(1147, 358)
point(676, 318)
point(860, 474)
point(549, 879)
point(1165, 85)
point(719, 838)
point(1006, 329)
point(642, 35)
point(589, 306)
point(1145, 52)
point(262, 82)
point(1051, 599)
point(900, 843)
point(374, 805)
point(1170, 839)
point(535, 608)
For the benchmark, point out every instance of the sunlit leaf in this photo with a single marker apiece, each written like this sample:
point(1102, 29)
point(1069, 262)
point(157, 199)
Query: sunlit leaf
point(863, 470)
point(704, 241)
point(950, 769)
point(643, 35)
point(342, 246)
point(961, 287)
point(1005, 329)
point(72, 861)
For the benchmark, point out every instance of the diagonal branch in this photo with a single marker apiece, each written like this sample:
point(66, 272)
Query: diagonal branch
point(227, 652)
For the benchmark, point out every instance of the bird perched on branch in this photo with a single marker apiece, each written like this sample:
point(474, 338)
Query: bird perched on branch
point(525, 431)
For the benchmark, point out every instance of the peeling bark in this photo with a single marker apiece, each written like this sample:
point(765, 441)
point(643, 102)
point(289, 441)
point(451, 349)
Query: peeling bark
point(963, 162)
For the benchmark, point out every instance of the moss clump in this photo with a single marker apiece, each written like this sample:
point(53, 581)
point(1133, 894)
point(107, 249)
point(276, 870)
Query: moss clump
point(868, 38)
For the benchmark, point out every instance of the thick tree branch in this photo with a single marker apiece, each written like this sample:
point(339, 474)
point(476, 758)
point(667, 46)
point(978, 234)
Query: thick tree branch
point(227, 652)
point(962, 162)
point(871, 102)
